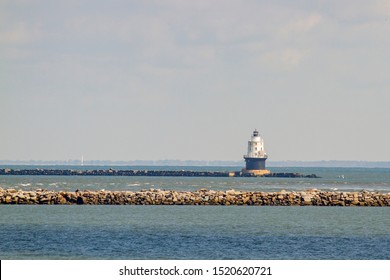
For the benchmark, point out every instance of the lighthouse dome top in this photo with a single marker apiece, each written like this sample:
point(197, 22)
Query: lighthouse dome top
point(255, 133)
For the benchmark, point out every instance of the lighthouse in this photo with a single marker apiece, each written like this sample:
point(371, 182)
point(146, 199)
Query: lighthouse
point(256, 156)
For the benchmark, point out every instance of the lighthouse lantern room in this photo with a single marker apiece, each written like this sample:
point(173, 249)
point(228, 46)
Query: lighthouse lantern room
point(256, 156)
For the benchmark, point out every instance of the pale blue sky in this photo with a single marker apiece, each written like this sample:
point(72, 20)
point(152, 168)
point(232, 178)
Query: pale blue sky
point(190, 80)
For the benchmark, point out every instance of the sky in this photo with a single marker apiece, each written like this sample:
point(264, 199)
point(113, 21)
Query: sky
point(191, 80)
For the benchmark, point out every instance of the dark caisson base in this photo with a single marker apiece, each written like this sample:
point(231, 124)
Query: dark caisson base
point(255, 163)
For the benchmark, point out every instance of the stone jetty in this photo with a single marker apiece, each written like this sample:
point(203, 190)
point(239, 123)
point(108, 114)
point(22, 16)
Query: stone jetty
point(173, 173)
point(312, 197)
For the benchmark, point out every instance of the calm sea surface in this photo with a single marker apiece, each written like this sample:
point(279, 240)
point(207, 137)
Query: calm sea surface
point(197, 232)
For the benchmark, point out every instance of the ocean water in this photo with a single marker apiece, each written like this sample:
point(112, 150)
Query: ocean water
point(343, 179)
point(198, 232)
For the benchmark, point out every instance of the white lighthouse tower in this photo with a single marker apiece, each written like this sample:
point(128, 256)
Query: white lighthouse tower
point(256, 156)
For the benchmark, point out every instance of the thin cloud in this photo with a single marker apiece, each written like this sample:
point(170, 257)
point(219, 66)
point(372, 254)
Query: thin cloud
point(300, 25)
point(284, 59)
point(20, 33)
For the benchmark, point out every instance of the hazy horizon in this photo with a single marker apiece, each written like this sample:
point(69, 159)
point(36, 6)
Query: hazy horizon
point(221, 163)
point(127, 80)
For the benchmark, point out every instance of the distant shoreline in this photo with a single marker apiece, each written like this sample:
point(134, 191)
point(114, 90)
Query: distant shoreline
point(289, 163)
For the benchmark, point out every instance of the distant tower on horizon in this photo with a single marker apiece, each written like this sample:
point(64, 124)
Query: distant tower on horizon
point(256, 156)
point(82, 160)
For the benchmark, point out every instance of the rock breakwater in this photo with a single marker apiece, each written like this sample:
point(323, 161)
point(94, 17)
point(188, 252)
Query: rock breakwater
point(199, 197)
point(173, 173)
